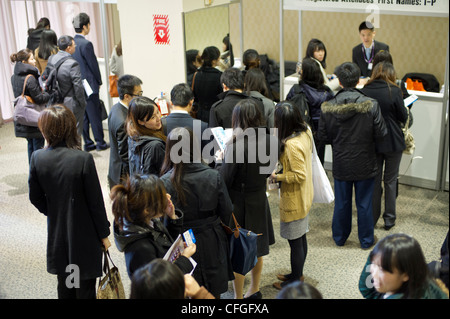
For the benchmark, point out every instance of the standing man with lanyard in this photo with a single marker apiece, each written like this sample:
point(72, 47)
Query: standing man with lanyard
point(90, 72)
point(364, 53)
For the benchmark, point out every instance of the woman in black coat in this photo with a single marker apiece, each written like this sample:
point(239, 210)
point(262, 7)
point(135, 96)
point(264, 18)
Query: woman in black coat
point(26, 65)
point(146, 139)
point(64, 186)
point(138, 206)
point(312, 85)
point(201, 194)
point(382, 87)
point(245, 174)
point(206, 83)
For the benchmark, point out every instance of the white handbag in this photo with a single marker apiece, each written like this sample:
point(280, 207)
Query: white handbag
point(323, 192)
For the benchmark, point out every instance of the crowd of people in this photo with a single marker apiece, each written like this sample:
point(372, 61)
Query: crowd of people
point(160, 190)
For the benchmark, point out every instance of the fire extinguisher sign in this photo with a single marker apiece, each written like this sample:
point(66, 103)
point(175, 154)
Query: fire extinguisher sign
point(161, 28)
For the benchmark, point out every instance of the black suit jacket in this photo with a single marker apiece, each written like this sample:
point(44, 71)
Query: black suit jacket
point(174, 120)
point(85, 56)
point(118, 138)
point(64, 186)
point(222, 111)
point(358, 57)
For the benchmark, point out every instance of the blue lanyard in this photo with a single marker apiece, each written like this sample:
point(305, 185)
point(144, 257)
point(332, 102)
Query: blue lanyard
point(372, 47)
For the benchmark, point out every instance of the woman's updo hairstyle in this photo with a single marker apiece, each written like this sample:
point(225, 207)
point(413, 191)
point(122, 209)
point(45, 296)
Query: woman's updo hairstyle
point(21, 56)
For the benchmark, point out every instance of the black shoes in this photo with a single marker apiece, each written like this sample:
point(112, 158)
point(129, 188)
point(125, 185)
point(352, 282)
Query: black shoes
point(98, 147)
point(102, 148)
point(256, 295)
point(89, 148)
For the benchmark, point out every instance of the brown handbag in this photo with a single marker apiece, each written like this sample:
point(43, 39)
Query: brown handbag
point(110, 286)
point(113, 91)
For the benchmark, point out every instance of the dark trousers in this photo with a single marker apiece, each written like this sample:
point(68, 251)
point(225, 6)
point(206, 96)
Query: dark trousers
point(388, 174)
point(86, 290)
point(34, 144)
point(93, 119)
point(342, 216)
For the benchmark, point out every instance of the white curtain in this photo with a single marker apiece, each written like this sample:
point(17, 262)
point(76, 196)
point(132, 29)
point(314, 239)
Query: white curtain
point(14, 25)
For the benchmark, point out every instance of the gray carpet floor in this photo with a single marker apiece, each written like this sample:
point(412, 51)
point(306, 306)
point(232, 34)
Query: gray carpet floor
point(333, 270)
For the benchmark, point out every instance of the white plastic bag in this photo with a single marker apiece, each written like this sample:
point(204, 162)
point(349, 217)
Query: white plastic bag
point(323, 192)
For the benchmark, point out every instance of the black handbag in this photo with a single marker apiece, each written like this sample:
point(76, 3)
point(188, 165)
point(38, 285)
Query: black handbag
point(243, 248)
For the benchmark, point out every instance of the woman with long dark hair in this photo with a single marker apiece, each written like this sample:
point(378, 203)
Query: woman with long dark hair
point(382, 87)
point(296, 193)
point(200, 193)
point(245, 173)
point(64, 186)
point(227, 57)
point(312, 85)
point(255, 85)
point(34, 34)
point(146, 139)
point(317, 51)
point(47, 47)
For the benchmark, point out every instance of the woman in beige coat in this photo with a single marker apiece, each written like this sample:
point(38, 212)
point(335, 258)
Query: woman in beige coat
point(296, 186)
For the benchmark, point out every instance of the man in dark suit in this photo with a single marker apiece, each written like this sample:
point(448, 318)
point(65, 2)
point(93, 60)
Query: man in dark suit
point(182, 99)
point(363, 54)
point(90, 72)
point(128, 86)
point(221, 112)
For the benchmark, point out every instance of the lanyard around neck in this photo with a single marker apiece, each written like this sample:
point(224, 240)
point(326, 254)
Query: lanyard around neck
point(372, 47)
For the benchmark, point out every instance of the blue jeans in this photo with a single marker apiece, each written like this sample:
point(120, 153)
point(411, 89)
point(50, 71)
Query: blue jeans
point(342, 217)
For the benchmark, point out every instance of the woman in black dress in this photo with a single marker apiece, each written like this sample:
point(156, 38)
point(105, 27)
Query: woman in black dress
point(245, 173)
point(200, 193)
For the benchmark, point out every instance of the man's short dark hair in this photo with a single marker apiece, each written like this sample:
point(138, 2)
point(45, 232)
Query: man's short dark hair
point(181, 95)
point(233, 79)
point(366, 25)
point(64, 41)
point(126, 85)
point(79, 21)
point(348, 74)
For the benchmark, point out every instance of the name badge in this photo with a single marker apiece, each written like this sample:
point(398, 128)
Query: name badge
point(369, 67)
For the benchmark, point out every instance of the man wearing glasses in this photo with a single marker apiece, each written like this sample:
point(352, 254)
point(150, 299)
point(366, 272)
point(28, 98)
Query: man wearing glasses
point(128, 87)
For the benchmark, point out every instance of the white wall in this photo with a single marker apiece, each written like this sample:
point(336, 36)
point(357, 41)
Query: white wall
point(191, 5)
point(160, 67)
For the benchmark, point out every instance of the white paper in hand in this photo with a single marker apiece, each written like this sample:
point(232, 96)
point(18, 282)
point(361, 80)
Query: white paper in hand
point(87, 88)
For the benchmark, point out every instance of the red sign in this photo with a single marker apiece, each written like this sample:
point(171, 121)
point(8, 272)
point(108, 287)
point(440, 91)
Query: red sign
point(161, 28)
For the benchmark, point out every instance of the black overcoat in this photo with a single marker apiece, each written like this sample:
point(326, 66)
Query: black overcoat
point(64, 186)
point(394, 113)
point(246, 182)
point(207, 204)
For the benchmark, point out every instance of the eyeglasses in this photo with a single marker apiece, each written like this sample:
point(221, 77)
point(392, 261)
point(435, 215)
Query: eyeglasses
point(133, 95)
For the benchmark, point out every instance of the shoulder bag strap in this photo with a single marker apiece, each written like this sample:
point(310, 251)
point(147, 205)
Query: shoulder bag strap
point(25, 83)
point(193, 80)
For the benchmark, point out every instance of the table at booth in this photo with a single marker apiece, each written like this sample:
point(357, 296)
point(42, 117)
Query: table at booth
point(422, 168)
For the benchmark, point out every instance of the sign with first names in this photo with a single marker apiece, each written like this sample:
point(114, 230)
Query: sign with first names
point(161, 29)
